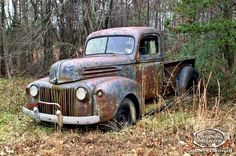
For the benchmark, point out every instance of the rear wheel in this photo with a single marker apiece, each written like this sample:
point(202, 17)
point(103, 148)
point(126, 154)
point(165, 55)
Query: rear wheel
point(186, 80)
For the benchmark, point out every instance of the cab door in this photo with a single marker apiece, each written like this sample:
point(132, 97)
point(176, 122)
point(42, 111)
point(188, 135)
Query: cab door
point(151, 65)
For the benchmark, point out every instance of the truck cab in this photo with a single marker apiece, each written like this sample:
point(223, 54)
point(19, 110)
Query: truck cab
point(119, 70)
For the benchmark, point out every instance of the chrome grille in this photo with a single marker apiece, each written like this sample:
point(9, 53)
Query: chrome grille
point(64, 97)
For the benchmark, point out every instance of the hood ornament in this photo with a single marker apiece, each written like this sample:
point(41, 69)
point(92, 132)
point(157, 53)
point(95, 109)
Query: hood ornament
point(54, 80)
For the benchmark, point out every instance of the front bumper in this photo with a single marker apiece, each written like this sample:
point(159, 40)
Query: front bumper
point(71, 120)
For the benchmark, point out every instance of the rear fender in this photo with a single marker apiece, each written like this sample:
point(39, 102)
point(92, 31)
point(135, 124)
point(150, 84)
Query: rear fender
point(114, 91)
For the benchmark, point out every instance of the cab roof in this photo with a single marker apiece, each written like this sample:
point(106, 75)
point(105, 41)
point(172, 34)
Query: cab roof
point(135, 32)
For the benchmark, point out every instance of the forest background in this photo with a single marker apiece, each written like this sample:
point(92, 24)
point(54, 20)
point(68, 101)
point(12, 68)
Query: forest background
point(36, 33)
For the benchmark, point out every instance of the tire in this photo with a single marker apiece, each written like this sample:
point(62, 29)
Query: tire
point(186, 79)
point(125, 116)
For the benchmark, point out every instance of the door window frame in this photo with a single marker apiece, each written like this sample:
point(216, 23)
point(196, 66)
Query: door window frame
point(151, 57)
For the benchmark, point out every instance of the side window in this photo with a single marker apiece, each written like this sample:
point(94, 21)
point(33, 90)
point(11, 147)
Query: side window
point(149, 45)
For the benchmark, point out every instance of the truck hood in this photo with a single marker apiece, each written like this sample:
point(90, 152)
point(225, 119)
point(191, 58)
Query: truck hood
point(87, 67)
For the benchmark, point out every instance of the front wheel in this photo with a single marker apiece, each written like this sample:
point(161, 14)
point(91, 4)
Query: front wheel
point(125, 116)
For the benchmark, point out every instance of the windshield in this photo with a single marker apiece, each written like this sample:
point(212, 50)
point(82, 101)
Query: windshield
point(110, 45)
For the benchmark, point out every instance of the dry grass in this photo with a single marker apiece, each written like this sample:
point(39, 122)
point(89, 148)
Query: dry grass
point(166, 133)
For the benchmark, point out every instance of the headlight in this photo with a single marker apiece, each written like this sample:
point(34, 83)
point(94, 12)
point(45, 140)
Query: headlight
point(34, 90)
point(81, 93)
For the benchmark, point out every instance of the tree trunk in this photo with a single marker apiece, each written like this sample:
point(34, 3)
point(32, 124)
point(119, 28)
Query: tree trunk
point(127, 12)
point(226, 49)
point(2, 57)
point(4, 67)
point(148, 16)
point(108, 16)
point(35, 9)
point(47, 38)
point(23, 57)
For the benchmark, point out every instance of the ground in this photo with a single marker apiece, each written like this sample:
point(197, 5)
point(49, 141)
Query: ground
point(166, 133)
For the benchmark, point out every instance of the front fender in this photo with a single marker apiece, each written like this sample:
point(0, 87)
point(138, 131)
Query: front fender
point(114, 92)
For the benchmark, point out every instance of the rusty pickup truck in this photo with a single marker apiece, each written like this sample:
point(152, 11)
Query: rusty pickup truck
point(120, 69)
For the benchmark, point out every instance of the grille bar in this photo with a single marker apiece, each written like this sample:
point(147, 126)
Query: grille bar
point(64, 97)
point(100, 71)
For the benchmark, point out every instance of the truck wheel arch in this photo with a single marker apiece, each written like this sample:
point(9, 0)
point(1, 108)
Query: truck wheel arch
point(115, 91)
point(134, 99)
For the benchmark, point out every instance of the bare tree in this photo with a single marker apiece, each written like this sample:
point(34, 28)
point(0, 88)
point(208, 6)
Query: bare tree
point(2, 58)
